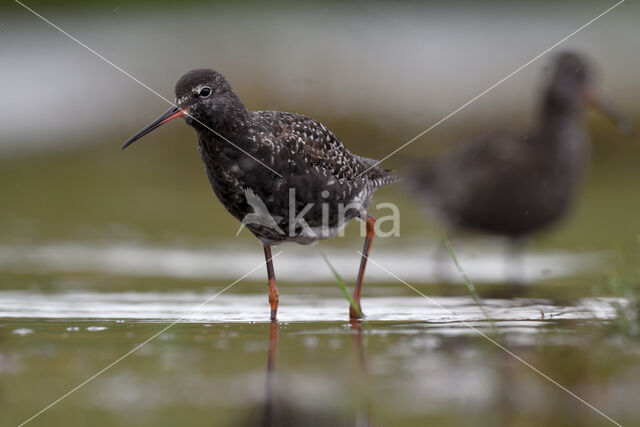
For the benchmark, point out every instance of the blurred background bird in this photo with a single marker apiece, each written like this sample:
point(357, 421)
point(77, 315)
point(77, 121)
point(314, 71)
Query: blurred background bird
point(515, 184)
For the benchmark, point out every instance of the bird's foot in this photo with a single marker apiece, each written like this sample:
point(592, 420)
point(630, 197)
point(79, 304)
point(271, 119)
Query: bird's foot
point(355, 314)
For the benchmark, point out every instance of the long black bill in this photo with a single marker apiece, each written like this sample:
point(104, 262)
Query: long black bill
point(167, 116)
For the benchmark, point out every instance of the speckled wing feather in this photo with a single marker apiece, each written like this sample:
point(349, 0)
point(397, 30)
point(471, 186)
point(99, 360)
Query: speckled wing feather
point(327, 182)
point(309, 142)
point(378, 177)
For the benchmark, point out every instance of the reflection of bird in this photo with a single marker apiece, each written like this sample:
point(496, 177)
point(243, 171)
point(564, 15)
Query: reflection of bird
point(297, 167)
point(510, 184)
point(283, 407)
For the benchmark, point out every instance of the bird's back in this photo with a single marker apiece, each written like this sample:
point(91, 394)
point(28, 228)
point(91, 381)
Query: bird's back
point(310, 144)
point(502, 183)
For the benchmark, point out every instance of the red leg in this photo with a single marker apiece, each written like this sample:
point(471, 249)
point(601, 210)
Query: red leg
point(371, 222)
point(273, 288)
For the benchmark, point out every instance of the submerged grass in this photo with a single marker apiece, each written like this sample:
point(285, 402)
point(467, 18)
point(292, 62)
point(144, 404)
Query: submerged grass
point(625, 282)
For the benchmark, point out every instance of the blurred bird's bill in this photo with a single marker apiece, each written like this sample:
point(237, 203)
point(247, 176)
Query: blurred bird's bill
point(594, 100)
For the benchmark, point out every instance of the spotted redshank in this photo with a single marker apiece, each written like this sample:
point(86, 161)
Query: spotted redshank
point(515, 184)
point(287, 177)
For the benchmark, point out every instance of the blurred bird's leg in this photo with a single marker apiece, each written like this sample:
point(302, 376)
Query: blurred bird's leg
point(371, 222)
point(514, 261)
point(273, 287)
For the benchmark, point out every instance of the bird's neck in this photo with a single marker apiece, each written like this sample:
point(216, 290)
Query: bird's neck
point(229, 119)
point(557, 120)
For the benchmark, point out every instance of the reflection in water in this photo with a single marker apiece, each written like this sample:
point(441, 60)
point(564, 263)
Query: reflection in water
point(281, 408)
point(364, 417)
point(356, 325)
point(271, 364)
point(419, 373)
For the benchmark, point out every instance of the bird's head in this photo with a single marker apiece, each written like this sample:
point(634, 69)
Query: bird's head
point(204, 99)
point(572, 88)
point(571, 83)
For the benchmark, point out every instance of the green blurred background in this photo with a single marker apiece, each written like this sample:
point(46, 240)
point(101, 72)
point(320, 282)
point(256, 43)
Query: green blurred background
point(376, 74)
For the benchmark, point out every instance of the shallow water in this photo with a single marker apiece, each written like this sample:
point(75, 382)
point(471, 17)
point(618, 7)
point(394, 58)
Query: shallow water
point(415, 360)
point(177, 351)
point(225, 308)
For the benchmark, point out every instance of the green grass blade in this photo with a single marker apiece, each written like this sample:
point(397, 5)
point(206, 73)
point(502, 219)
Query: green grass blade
point(470, 286)
point(342, 285)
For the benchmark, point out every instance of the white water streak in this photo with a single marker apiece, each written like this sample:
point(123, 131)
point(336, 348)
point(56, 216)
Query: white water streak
point(418, 265)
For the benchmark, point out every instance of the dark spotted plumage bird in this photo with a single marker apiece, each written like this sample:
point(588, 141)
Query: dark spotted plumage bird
point(285, 176)
point(515, 184)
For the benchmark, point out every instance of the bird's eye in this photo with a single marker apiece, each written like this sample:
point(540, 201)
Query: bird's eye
point(204, 92)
